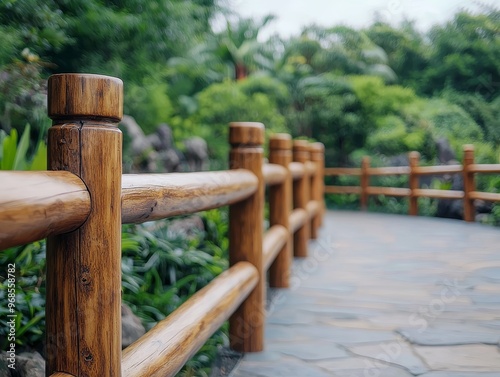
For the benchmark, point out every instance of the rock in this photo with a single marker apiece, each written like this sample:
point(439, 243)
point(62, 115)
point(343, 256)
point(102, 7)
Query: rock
point(30, 364)
point(186, 227)
point(132, 328)
point(4, 369)
point(196, 153)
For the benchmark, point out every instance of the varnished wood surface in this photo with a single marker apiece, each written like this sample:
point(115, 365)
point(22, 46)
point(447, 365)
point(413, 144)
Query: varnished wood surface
point(166, 347)
point(246, 325)
point(35, 205)
point(274, 174)
point(280, 207)
point(147, 197)
point(83, 309)
point(301, 196)
point(297, 219)
point(61, 374)
point(297, 170)
point(413, 182)
point(84, 96)
point(274, 240)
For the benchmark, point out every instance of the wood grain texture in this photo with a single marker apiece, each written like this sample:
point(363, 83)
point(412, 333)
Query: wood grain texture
point(246, 325)
point(274, 174)
point(85, 96)
point(280, 207)
point(84, 266)
point(297, 170)
point(274, 239)
point(413, 182)
point(301, 195)
point(147, 197)
point(163, 350)
point(469, 183)
point(35, 205)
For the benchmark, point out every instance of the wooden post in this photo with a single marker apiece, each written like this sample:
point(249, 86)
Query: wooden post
point(413, 181)
point(83, 313)
point(469, 184)
point(246, 325)
point(301, 197)
point(320, 147)
point(316, 150)
point(280, 207)
point(365, 182)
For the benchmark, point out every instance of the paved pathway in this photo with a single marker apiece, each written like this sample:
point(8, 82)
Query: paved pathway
point(387, 296)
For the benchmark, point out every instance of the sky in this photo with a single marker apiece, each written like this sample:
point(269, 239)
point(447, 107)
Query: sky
point(292, 15)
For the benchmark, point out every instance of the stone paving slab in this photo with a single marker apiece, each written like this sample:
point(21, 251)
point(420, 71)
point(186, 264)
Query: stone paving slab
point(387, 296)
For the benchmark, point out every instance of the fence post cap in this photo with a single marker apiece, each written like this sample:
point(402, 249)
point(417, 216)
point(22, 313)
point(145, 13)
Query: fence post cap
point(317, 147)
point(78, 95)
point(301, 145)
point(246, 133)
point(468, 148)
point(280, 141)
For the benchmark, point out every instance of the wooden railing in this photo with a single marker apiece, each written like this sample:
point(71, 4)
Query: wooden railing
point(80, 204)
point(468, 170)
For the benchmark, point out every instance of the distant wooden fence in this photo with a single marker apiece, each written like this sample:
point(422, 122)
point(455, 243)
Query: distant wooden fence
point(81, 203)
point(414, 171)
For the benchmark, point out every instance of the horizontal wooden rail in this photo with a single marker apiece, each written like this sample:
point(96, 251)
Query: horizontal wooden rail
point(342, 190)
point(163, 350)
point(488, 196)
point(35, 205)
point(297, 170)
point(468, 169)
point(342, 171)
point(391, 170)
point(313, 208)
point(439, 169)
point(274, 174)
point(274, 240)
point(438, 194)
point(485, 168)
point(310, 168)
point(298, 218)
point(389, 191)
point(147, 197)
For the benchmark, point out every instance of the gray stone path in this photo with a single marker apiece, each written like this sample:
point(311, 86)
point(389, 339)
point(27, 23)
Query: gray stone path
point(387, 296)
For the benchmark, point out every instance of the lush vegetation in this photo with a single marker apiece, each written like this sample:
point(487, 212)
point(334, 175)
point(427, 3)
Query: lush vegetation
point(380, 91)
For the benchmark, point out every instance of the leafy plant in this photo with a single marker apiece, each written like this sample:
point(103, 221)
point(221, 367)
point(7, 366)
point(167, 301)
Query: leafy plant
point(14, 154)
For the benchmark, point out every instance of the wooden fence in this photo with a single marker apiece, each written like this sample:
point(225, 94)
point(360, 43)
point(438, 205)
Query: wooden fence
point(468, 170)
point(81, 203)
